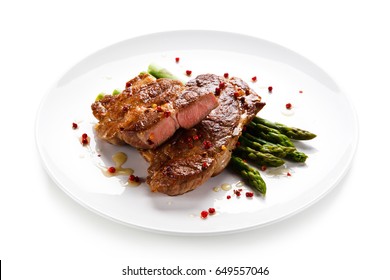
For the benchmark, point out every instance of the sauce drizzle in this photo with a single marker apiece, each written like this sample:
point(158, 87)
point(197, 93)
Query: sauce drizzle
point(119, 159)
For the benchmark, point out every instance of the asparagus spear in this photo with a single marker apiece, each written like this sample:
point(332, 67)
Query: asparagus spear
point(250, 141)
point(269, 134)
point(160, 72)
point(257, 157)
point(249, 174)
point(296, 156)
point(291, 153)
point(290, 132)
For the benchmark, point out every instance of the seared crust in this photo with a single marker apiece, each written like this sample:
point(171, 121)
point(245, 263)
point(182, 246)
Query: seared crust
point(145, 114)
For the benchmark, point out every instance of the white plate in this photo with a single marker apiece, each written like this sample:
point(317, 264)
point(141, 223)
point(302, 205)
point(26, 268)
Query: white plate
point(318, 106)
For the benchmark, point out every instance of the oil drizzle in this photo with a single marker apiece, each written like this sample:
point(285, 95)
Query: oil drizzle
point(224, 187)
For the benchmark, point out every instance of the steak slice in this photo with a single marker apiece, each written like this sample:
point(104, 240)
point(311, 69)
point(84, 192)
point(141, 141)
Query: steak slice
point(192, 156)
point(149, 111)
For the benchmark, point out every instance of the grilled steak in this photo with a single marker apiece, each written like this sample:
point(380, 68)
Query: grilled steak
point(192, 156)
point(149, 111)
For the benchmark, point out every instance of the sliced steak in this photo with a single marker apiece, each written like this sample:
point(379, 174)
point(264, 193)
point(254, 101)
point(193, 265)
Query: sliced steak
point(192, 156)
point(149, 111)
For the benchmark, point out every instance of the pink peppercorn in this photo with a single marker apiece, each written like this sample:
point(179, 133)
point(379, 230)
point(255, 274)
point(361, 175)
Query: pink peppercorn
point(204, 214)
point(249, 194)
point(111, 169)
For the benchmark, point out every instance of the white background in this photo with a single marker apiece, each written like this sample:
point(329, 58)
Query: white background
point(46, 235)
